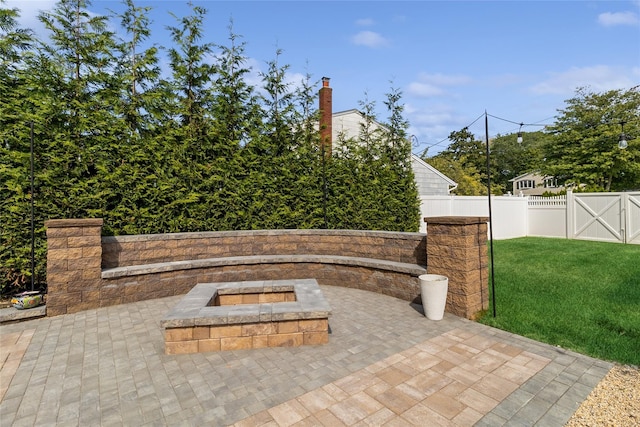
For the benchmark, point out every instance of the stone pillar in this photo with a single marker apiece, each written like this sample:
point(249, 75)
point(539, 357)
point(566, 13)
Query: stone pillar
point(457, 248)
point(74, 271)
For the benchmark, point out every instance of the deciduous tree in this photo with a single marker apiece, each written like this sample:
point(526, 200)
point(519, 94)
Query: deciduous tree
point(584, 147)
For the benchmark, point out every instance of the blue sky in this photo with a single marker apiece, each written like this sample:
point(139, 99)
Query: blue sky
point(452, 60)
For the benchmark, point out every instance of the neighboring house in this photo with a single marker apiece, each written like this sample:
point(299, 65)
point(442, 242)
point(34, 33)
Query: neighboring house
point(534, 184)
point(429, 181)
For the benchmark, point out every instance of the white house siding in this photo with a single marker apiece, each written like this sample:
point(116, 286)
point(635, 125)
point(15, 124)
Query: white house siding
point(347, 123)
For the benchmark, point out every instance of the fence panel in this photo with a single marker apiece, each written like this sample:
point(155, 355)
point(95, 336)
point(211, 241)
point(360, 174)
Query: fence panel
point(509, 213)
point(608, 217)
point(547, 216)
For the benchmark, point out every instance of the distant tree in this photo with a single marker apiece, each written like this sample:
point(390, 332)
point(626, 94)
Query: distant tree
point(464, 161)
point(468, 182)
point(584, 146)
point(510, 158)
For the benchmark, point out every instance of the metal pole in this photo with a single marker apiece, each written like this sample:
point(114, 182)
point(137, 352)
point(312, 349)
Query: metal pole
point(33, 262)
point(493, 282)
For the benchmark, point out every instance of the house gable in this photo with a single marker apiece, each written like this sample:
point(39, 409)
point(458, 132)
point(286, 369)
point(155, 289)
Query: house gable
point(429, 180)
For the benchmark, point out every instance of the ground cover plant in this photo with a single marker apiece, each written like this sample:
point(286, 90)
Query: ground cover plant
point(579, 295)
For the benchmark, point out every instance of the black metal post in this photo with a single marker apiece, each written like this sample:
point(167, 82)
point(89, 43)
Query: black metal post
point(493, 282)
point(33, 244)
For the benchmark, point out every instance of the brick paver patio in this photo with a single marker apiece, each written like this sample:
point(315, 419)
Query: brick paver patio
point(385, 364)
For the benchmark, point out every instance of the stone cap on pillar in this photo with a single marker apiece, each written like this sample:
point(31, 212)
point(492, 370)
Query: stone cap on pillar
point(74, 222)
point(457, 220)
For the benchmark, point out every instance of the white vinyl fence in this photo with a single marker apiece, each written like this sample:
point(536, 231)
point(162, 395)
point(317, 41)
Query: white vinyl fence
point(610, 217)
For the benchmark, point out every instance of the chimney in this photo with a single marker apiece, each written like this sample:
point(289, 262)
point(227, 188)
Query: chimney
point(326, 114)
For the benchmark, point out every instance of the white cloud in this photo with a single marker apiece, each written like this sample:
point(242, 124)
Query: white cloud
point(369, 39)
point(444, 79)
point(424, 90)
point(610, 19)
point(598, 78)
point(432, 85)
point(295, 80)
point(29, 10)
point(365, 22)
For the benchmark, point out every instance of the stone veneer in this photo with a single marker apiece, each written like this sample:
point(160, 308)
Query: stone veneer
point(86, 270)
point(196, 324)
point(457, 248)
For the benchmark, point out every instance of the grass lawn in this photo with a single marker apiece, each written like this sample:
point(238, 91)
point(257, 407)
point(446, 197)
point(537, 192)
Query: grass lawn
point(579, 295)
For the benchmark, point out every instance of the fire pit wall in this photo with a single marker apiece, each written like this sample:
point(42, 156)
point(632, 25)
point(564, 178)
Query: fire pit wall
point(245, 315)
point(86, 270)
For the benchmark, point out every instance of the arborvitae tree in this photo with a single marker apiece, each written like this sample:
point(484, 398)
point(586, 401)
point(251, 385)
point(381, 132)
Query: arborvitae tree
point(310, 166)
point(369, 151)
point(371, 184)
point(199, 151)
point(84, 131)
point(234, 114)
point(400, 201)
point(272, 160)
point(16, 113)
point(189, 135)
point(191, 72)
point(137, 96)
point(138, 70)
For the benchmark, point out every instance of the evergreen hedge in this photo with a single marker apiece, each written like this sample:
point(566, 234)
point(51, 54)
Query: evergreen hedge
point(201, 149)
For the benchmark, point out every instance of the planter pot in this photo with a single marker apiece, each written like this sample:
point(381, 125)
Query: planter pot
point(433, 291)
point(27, 300)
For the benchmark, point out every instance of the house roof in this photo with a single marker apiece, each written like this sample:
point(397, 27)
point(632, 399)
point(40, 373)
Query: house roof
point(528, 174)
point(347, 112)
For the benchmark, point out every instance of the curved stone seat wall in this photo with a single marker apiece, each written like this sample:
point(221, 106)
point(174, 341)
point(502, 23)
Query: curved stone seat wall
point(86, 270)
point(121, 251)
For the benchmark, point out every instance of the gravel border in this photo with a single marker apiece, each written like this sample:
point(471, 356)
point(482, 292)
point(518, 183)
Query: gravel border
point(615, 401)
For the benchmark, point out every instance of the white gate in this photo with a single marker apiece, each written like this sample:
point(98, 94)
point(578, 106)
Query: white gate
point(607, 217)
point(633, 218)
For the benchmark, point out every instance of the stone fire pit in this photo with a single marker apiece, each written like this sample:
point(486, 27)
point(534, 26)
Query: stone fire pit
point(244, 315)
